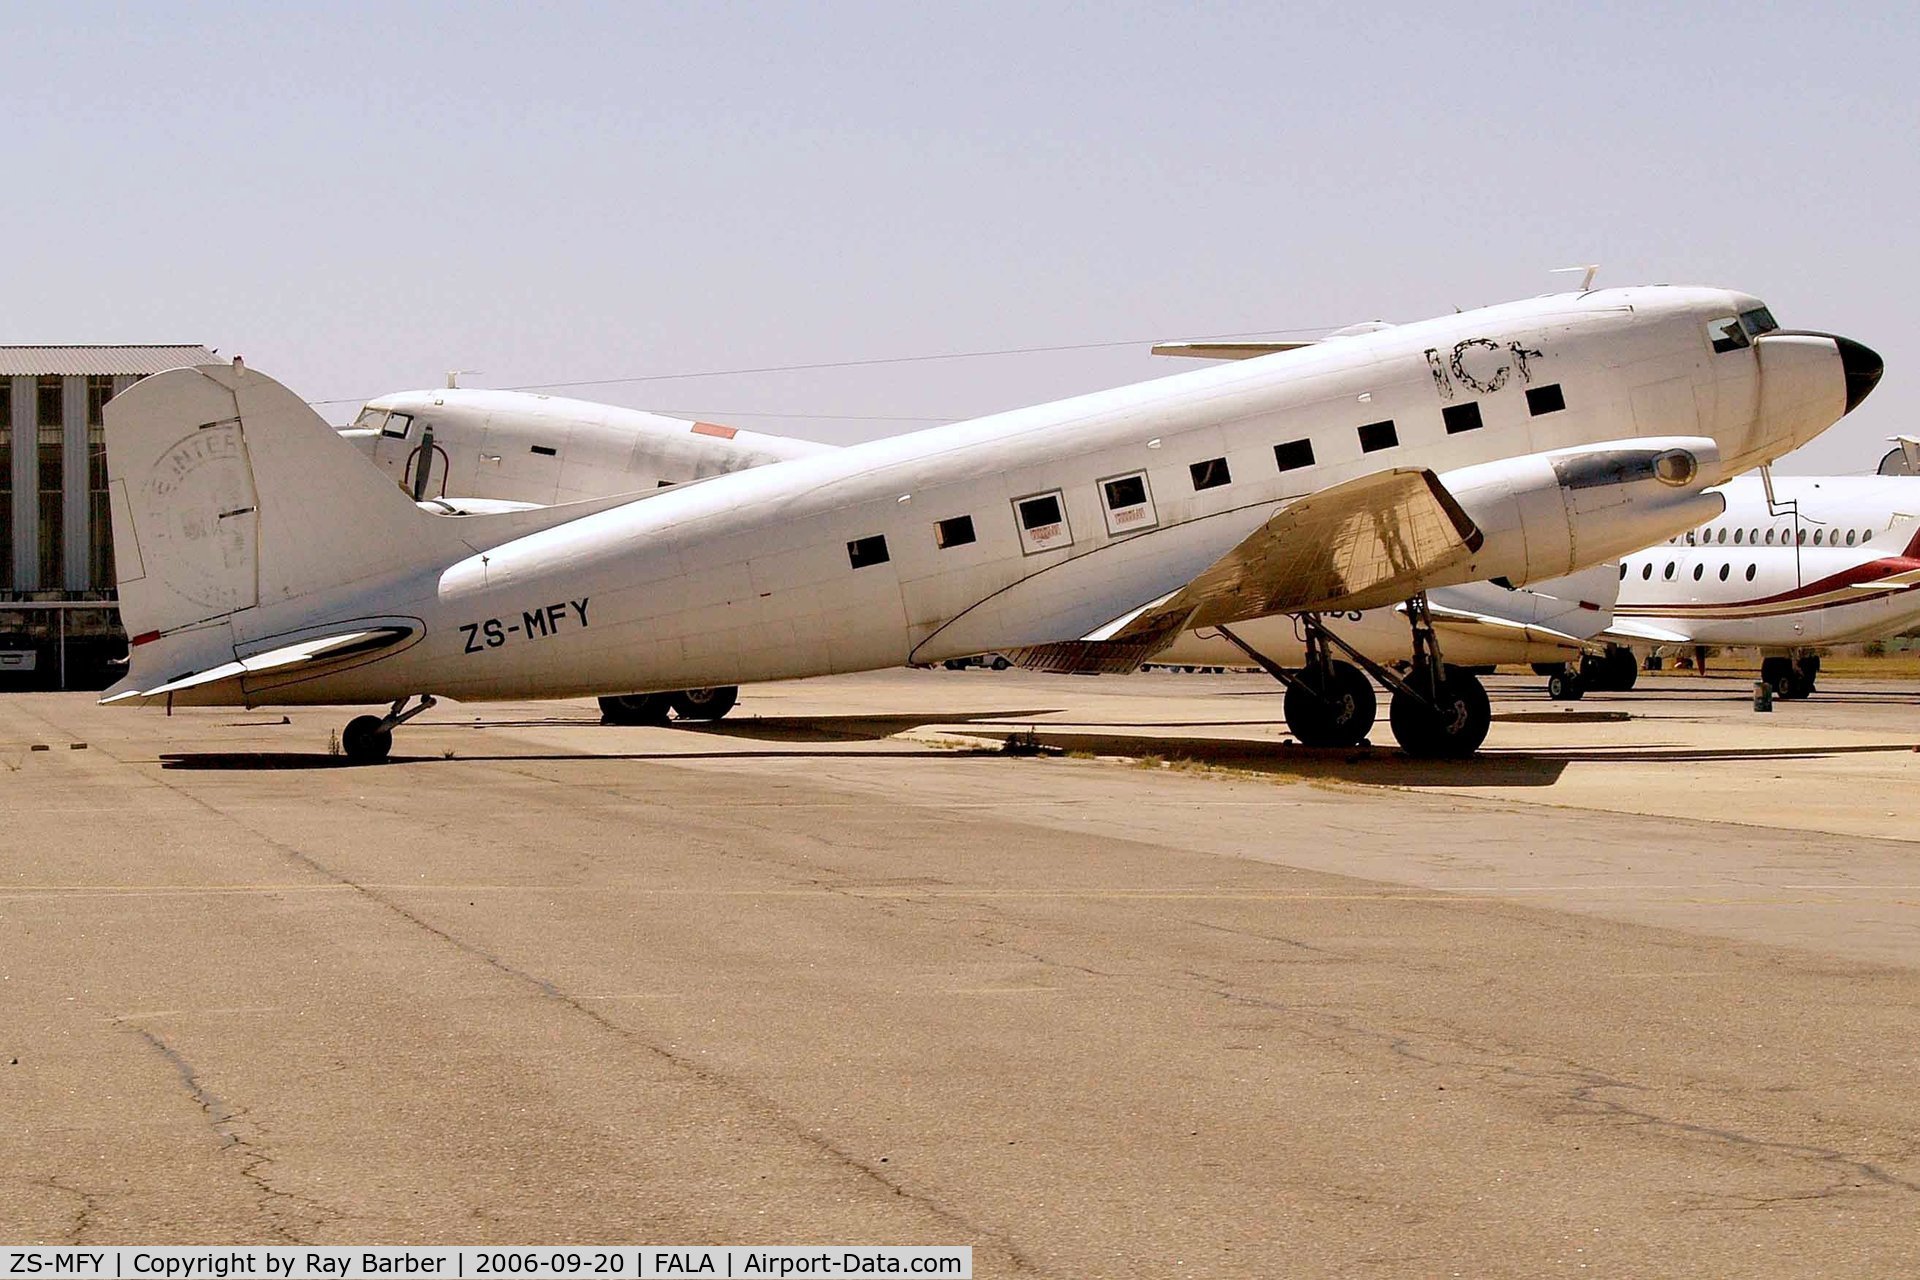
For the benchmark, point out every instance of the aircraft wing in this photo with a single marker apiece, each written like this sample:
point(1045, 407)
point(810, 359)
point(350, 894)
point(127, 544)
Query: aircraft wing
point(1461, 622)
point(1368, 542)
point(1628, 629)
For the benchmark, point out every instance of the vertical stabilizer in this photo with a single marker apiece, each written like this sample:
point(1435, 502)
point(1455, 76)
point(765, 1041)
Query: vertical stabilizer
point(229, 492)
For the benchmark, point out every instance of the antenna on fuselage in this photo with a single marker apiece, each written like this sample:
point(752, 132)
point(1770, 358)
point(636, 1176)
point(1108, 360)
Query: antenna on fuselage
point(1586, 282)
point(453, 377)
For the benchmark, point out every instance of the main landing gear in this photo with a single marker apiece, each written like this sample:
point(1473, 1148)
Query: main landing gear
point(369, 739)
point(683, 704)
point(1612, 672)
point(1791, 678)
point(1437, 711)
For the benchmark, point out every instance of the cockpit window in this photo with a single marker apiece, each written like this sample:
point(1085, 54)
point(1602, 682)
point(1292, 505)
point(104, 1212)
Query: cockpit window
point(371, 419)
point(398, 424)
point(1726, 334)
point(1758, 321)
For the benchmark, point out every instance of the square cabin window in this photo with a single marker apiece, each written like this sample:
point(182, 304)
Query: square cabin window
point(957, 531)
point(1043, 522)
point(1293, 455)
point(1376, 436)
point(1546, 399)
point(1461, 417)
point(868, 551)
point(1210, 474)
point(1127, 503)
point(397, 426)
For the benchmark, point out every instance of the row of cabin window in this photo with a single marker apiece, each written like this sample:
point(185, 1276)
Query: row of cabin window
point(1699, 571)
point(1785, 537)
point(1129, 491)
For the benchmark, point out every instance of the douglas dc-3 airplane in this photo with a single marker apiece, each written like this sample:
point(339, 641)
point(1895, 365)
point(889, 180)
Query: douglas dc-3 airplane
point(262, 562)
point(1821, 561)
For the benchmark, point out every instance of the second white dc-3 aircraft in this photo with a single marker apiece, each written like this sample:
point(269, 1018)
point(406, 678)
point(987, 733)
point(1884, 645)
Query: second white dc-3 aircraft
point(263, 562)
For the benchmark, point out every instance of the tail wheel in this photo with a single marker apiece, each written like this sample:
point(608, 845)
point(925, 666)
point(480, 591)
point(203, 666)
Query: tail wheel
point(1334, 710)
point(365, 742)
point(704, 704)
point(636, 708)
point(1452, 725)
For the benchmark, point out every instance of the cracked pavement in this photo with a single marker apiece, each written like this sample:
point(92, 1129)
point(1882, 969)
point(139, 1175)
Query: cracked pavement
point(819, 977)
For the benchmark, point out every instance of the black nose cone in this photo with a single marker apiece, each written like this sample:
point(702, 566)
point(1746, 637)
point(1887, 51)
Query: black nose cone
point(1863, 367)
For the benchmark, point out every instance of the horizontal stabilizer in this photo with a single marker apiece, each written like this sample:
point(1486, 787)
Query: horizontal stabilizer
point(284, 659)
point(1225, 350)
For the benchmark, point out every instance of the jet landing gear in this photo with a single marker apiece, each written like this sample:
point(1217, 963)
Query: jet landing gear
point(684, 704)
point(1329, 703)
point(369, 739)
point(1791, 678)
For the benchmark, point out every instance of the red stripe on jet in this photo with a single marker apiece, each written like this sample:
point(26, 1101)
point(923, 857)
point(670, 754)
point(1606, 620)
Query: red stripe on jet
point(1870, 572)
point(145, 636)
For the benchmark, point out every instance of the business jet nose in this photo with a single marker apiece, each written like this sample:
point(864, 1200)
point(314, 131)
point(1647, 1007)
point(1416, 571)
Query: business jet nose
point(1862, 366)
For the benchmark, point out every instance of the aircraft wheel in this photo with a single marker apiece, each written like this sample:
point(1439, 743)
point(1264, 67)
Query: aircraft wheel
point(704, 704)
point(1622, 670)
point(999, 662)
point(635, 708)
point(365, 742)
point(1339, 715)
point(1780, 673)
point(1452, 727)
point(1808, 670)
point(1565, 686)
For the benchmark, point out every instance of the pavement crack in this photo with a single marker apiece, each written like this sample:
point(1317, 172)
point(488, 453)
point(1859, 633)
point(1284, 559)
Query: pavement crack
point(84, 1211)
point(290, 1217)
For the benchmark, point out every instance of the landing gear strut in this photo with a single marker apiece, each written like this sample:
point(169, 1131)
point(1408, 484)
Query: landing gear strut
point(369, 739)
point(1329, 703)
point(1438, 711)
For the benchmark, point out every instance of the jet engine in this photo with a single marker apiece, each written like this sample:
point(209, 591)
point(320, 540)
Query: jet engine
point(1543, 515)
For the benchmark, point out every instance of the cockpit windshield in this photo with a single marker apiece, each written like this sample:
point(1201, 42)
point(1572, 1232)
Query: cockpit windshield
point(1758, 321)
point(1731, 333)
point(385, 422)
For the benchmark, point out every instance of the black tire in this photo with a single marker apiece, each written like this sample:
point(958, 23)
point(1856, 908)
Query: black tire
point(1341, 714)
point(1808, 671)
point(999, 662)
point(1622, 670)
point(1565, 686)
point(365, 742)
point(1452, 727)
point(704, 704)
point(1779, 673)
point(635, 708)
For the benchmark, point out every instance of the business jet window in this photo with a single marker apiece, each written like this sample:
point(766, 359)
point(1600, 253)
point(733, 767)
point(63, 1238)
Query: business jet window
point(1723, 571)
point(1800, 538)
point(862, 552)
point(1753, 536)
point(397, 426)
point(1623, 571)
point(1769, 537)
point(1849, 537)
point(1726, 334)
point(1646, 571)
point(1758, 321)
point(1722, 539)
point(954, 532)
point(1867, 536)
point(1750, 569)
point(1698, 570)
point(1738, 536)
point(1668, 575)
point(1818, 534)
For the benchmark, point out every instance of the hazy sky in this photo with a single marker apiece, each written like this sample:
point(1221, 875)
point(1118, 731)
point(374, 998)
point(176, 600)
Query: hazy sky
point(359, 198)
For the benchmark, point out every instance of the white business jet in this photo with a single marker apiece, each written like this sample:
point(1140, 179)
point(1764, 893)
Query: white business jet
point(1812, 562)
point(262, 562)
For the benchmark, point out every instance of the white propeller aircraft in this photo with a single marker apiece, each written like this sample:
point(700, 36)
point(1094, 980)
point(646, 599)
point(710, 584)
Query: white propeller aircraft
point(1819, 561)
point(262, 562)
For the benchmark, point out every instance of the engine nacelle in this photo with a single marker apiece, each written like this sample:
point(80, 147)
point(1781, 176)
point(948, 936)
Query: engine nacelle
point(1544, 515)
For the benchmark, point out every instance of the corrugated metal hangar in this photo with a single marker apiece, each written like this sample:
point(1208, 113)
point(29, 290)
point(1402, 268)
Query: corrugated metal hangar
point(58, 626)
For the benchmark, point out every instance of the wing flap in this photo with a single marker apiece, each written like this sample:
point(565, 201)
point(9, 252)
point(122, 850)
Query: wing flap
point(1362, 544)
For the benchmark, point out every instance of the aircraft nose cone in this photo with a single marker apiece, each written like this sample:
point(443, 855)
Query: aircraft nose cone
point(1863, 367)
